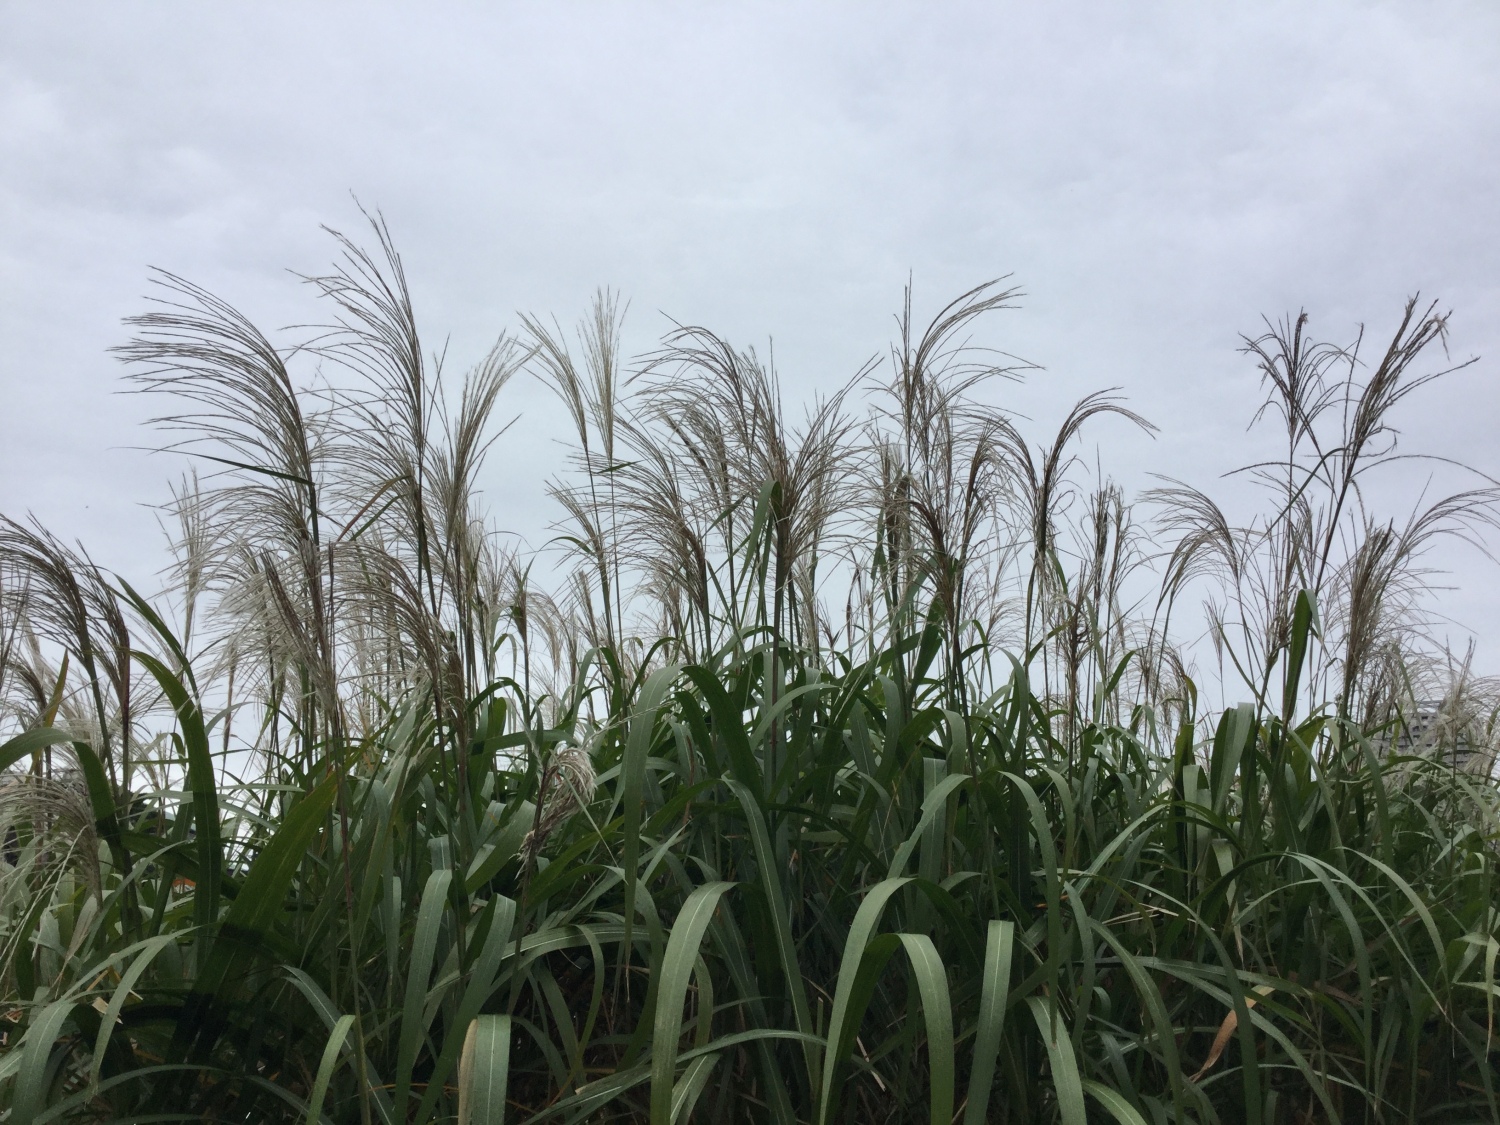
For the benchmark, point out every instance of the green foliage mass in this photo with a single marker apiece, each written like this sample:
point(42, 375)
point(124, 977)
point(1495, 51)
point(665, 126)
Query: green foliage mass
point(401, 837)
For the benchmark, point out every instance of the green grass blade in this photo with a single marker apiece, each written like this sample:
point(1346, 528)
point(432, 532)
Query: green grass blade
point(31, 1082)
point(1150, 996)
point(261, 899)
point(14, 749)
point(102, 802)
point(842, 1021)
point(318, 1000)
point(1043, 830)
point(685, 1094)
point(482, 983)
point(1066, 1080)
point(484, 1071)
point(122, 991)
point(418, 973)
point(781, 924)
point(676, 971)
point(200, 767)
point(1114, 1102)
point(999, 946)
point(932, 805)
point(638, 740)
point(330, 1059)
point(728, 725)
point(506, 846)
point(937, 1013)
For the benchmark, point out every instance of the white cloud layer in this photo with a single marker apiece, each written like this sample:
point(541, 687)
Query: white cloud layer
point(1157, 177)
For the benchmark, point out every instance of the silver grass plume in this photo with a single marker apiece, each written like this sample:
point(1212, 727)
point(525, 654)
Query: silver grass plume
point(592, 398)
point(70, 605)
point(566, 788)
point(55, 813)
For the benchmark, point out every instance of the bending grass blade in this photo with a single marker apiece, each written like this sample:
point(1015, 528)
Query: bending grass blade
point(14, 749)
point(205, 799)
point(999, 947)
point(1065, 1077)
point(121, 994)
point(638, 741)
point(336, 1039)
point(482, 984)
point(937, 1013)
point(484, 1071)
point(1113, 1101)
point(31, 1082)
point(256, 908)
point(677, 968)
point(775, 894)
point(690, 1086)
point(932, 805)
point(843, 1022)
point(1051, 869)
point(419, 971)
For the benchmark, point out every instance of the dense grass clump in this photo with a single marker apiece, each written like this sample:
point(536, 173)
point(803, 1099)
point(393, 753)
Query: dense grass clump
point(847, 770)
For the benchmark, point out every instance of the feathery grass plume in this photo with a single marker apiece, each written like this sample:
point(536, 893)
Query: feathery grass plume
point(548, 635)
point(591, 397)
point(239, 400)
point(1090, 624)
point(16, 675)
point(1044, 493)
point(566, 788)
point(408, 460)
point(50, 818)
point(467, 438)
point(1442, 711)
point(661, 495)
point(1363, 570)
point(196, 551)
point(691, 518)
point(375, 335)
point(797, 480)
point(386, 599)
point(944, 482)
point(68, 603)
point(801, 477)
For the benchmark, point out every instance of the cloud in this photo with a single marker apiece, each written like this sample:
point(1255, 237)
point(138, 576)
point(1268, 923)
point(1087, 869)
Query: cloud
point(1155, 177)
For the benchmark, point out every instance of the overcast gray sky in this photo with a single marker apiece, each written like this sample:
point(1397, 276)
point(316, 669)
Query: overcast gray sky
point(1156, 177)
